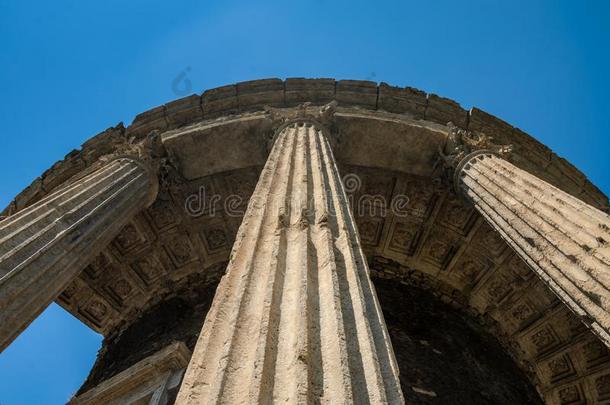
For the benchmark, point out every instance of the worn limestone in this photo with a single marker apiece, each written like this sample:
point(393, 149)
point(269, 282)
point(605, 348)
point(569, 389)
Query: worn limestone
point(295, 319)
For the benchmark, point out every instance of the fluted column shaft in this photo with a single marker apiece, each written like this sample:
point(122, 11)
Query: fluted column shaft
point(563, 239)
point(296, 318)
point(43, 247)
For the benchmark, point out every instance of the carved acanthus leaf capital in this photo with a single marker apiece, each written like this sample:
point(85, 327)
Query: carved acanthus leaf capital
point(461, 145)
point(320, 116)
point(323, 115)
point(149, 152)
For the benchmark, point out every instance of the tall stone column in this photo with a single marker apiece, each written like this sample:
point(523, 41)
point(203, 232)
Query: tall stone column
point(296, 318)
point(564, 240)
point(43, 247)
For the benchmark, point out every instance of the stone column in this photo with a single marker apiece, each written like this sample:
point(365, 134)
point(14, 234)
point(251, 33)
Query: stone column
point(295, 319)
point(564, 240)
point(43, 247)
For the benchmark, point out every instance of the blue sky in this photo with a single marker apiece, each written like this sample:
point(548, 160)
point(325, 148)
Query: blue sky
point(69, 69)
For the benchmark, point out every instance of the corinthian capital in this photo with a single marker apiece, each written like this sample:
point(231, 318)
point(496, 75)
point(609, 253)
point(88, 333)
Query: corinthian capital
point(323, 115)
point(462, 145)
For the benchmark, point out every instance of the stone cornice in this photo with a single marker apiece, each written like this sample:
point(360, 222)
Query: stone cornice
point(258, 95)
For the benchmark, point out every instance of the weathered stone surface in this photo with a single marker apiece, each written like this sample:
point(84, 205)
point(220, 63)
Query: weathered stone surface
point(259, 93)
point(402, 100)
point(295, 319)
point(221, 100)
point(444, 110)
point(316, 91)
point(564, 240)
point(391, 156)
point(357, 92)
point(483, 122)
point(184, 110)
point(99, 145)
point(43, 247)
point(32, 192)
point(144, 123)
point(72, 165)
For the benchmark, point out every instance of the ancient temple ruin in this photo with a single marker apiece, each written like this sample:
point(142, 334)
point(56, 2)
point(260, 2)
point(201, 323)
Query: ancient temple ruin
point(318, 241)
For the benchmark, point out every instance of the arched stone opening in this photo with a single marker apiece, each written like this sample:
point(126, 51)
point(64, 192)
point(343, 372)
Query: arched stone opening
point(445, 356)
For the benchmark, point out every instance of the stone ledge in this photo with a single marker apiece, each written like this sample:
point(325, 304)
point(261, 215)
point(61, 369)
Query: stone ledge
point(219, 101)
point(357, 92)
point(184, 110)
point(403, 100)
point(147, 121)
point(254, 93)
point(442, 110)
point(316, 91)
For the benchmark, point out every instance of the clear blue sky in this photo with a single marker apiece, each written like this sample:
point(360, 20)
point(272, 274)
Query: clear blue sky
point(69, 69)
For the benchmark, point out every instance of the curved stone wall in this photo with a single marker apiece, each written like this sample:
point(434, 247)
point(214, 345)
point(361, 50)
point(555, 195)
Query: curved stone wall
point(386, 136)
point(257, 94)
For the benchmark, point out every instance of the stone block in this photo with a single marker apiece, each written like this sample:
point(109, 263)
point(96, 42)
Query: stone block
point(144, 123)
point(559, 179)
point(490, 125)
point(256, 94)
point(29, 195)
point(540, 162)
point(402, 100)
point(568, 169)
point(9, 210)
point(443, 110)
point(62, 171)
point(595, 196)
point(357, 92)
point(184, 111)
point(102, 143)
point(531, 144)
point(316, 91)
point(219, 101)
point(104, 137)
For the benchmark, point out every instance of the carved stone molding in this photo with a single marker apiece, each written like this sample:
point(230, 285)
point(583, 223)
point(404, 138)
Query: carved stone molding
point(463, 145)
point(320, 116)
